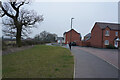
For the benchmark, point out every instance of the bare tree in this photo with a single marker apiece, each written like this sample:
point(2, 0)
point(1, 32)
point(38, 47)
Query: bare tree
point(45, 36)
point(18, 20)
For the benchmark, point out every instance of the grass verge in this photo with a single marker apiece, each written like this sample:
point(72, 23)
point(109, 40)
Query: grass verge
point(40, 61)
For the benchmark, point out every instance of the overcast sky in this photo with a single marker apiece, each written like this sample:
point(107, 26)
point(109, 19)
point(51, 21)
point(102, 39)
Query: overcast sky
point(57, 15)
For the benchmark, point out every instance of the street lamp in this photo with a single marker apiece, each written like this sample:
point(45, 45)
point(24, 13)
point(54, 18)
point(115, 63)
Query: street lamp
point(71, 22)
point(71, 29)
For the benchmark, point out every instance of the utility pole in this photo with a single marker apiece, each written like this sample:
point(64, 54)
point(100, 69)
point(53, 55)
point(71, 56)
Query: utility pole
point(71, 29)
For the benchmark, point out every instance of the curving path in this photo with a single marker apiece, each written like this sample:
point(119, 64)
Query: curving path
point(88, 65)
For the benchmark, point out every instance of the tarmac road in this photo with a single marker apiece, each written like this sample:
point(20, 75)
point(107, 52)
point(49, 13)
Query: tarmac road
point(89, 66)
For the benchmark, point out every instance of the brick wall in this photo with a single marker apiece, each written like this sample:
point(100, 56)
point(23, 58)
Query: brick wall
point(96, 36)
point(84, 43)
point(72, 36)
point(111, 37)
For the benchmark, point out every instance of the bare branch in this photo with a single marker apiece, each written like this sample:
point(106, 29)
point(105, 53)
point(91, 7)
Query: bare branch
point(8, 22)
point(13, 5)
point(20, 5)
point(0, 4)
point(30, 18)
point(20, 21)
point(2, 15)
point(5, 12)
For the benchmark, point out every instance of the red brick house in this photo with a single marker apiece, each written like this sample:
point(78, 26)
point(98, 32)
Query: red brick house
point(86, 40)
point(87, 37)
point(104, 34)
point(72, 36)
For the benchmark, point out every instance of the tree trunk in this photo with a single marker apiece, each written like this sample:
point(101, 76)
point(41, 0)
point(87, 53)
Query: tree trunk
point(18, 37)
point(18, 33)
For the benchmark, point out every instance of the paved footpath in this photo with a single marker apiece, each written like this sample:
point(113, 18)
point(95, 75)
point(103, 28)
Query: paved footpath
point(109, 55)
point(88, 65)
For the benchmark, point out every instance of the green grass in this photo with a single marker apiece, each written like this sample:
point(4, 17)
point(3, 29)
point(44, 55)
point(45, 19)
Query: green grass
point(39, 62)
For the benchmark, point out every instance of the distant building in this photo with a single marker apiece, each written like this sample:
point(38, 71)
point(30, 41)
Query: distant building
point(60, 40)
point(87, 37)
point(104, 34)
point(86, 40)
point(72, 36)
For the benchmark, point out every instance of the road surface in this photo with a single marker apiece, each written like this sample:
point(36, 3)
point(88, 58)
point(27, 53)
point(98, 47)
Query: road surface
point(88, 65)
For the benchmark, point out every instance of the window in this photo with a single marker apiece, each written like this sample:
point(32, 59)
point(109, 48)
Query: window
point(106, 42)
point(116, 33)
point(107, 33)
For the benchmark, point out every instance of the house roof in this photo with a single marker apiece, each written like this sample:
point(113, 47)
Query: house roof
point(88, 35)
point(112, 26)
point(71, 30)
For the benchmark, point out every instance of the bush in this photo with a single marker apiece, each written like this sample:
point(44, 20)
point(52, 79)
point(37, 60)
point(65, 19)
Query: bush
point(4, 45)
point(29, 42)
point(32, 42)
point(110, 47)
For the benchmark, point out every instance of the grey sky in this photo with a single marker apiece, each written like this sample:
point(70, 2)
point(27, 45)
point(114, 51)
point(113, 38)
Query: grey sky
point(57, 15)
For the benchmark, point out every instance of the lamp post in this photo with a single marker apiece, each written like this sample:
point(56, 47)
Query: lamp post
point(71, 29)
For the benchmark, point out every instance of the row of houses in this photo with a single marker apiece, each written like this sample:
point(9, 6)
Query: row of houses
point(102, 35)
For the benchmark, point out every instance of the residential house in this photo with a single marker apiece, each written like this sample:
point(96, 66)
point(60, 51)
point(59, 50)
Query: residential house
point(104, 34)
point(87, 37)
point(86, 40)
point(72, 36)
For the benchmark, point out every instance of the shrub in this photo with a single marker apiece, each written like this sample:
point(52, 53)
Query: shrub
point(32, 42)
point(110, 47)
point(4, 45)
point(29, 42)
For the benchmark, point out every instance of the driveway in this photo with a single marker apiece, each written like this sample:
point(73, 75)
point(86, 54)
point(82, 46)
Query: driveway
point(88, 65)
